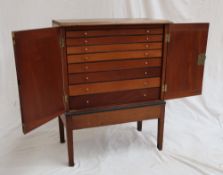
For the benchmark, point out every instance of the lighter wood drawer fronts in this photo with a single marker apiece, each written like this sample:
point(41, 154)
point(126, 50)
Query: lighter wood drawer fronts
point(107, 62)
point(112, 48)
point(113, 86)
point(114, 56)
point(113, 40)
point(113, 65)
point(108, 32)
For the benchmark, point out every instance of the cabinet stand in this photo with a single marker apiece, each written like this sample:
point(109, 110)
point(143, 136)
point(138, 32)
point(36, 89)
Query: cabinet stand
point(107, 116)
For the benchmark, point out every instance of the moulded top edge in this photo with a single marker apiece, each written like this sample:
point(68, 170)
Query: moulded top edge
point(111, 21)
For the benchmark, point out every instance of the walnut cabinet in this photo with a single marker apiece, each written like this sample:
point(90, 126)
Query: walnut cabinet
point(92, 73)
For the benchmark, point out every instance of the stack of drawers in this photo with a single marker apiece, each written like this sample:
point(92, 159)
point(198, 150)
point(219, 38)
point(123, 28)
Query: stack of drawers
point(114, 66)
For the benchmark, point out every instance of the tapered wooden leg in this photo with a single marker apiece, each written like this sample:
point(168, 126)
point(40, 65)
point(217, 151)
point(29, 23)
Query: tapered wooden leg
point(61, 130)
point(139, 125)
point(160, 129)
point(70, 148)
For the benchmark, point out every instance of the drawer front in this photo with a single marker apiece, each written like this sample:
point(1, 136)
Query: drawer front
point(94, 88)
point(114, 98)
point(113, 65)
point(127, 74)
point(113, 117)
point(114, 56)
point(109, 32)
point(113, 47)
point(113, 40)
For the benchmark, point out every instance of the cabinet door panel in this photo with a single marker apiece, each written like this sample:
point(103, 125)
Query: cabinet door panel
point(183, 72)
point(39, 71)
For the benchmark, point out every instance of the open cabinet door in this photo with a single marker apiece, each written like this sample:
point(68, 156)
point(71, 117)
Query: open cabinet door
point(39, 73)
point(185, 60)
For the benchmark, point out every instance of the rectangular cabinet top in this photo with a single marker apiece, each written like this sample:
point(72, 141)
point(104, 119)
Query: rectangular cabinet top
point(111, 21)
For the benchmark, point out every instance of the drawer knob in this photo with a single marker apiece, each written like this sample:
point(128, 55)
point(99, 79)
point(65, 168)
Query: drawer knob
point(146, 73)
point(144, 95)
point(86, 58)
point(87, 101)
point(147, 38)
point(86, 78)
point(86, 67)
point(86, 49)
point(146, 62)
point(147, 46)
point(147, 31)
point(146, 54)
point(85, 33)
point(87, 89)
point(145, 83)
point(86, 41)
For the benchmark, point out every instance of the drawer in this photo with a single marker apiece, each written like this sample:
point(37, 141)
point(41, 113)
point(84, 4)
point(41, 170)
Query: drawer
point(112, 47)
point(114, 56)
point(113, 65)
point(94, 88)
point(113, 40)
point(114, 75)
point(93, 118)
point(114, 98)
point(109, 32)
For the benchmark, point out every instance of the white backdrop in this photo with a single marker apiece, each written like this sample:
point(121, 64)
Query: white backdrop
point(193, 139)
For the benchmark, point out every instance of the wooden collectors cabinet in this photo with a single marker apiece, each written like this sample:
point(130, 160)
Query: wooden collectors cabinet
point(101, 72)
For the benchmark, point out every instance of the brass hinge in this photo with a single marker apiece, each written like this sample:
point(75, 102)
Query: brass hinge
point(13, 38)
point(164, 88)
point(65, 99)
point(167, 39)
point(62, 42)
point(201, 59)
